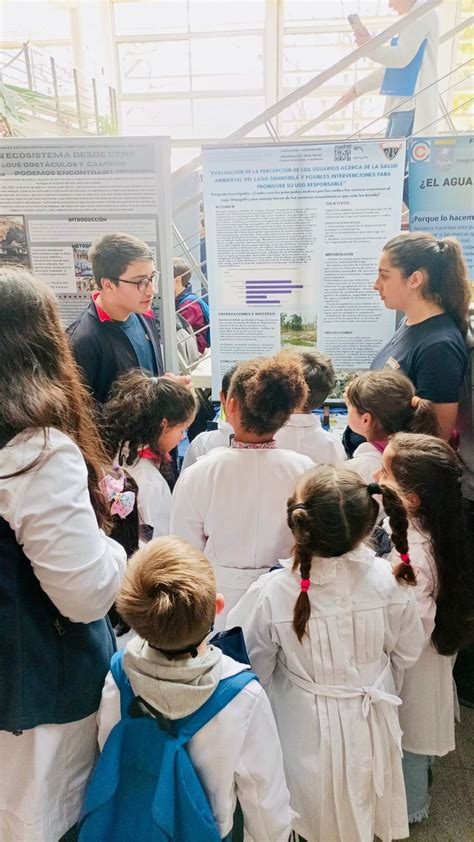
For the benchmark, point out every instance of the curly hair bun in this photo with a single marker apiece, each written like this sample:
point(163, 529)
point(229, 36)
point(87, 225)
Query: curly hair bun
point(268, 390)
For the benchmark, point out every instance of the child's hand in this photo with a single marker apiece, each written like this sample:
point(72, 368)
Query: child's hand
point(183, 379)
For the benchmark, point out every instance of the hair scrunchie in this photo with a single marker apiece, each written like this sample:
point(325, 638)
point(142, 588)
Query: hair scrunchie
point(405, 557)
point(304, 585)
point(298, 506)
point(374, 488)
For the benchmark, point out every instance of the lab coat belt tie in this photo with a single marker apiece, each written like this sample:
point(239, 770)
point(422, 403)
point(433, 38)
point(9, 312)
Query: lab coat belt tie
point(373, 697)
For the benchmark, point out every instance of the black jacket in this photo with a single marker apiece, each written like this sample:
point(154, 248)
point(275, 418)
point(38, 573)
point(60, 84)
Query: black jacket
point(103, 352)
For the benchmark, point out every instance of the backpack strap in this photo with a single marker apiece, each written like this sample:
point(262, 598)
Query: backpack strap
point(126, 693)
point(225, 691)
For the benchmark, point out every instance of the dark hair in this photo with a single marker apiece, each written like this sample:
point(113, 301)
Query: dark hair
point(138, 407)
point(330, 513)
point(446, 271)
point(225, 383)
point(125, 530)
point(182, 270)
point(320, 378)
point(428, 467)
point(390, 398)
point(268, 390)
point(40, 384)
point(112, 253)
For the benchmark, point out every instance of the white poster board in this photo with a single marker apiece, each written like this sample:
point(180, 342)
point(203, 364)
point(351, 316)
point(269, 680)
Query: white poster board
point(58, 195)
point(293, 236)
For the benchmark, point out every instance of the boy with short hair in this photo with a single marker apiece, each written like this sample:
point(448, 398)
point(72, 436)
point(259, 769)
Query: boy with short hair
point(210, 439)
point(118, 330)
point(193, 309)
point(168, 596)
point(303, 431)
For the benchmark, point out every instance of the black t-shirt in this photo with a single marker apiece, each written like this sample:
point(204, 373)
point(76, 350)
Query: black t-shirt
point(432, 354)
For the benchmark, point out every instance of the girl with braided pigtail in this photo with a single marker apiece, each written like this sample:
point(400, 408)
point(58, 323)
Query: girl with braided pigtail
point(427, 474)
point(398, 521)
point(327, 635)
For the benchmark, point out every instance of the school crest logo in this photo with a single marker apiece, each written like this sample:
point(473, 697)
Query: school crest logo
point(391, 152)
point(421, 151)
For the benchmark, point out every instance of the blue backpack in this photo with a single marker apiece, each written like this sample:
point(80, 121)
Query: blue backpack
point(144, 785)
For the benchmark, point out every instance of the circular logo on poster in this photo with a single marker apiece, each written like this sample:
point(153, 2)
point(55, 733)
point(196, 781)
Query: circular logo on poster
point(420, 151)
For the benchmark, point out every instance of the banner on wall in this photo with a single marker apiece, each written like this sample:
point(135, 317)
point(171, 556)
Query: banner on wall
point(58, 195)
point(441, 173)
point(293, 236)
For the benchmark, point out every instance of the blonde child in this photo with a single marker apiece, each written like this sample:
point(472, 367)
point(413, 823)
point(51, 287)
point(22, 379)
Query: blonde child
point(379, 404)
point(323, 635)
point(145, 418)
point(208, 440)
point(303, 432)
point(426, 472)
point(169, 598)
point(230, 504)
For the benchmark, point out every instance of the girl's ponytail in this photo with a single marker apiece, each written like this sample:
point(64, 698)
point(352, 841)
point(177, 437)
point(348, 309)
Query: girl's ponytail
point(447, 278)
point(423, 418)
point(298, 521)
point(399, 525)
point(389, 397)
point(454, 292)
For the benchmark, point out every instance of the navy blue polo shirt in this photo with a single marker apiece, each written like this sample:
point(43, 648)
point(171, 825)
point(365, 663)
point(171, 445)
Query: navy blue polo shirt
point(432, 354)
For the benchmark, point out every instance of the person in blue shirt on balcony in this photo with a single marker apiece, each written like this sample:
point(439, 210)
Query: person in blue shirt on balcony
point(407, 74)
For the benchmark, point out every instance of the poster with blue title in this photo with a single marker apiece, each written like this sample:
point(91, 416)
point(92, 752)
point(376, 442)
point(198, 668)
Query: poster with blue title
point(441, 172)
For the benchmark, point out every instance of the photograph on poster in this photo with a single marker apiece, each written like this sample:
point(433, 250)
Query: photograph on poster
point(298, 329)
point(83, 267)
point(13, 243)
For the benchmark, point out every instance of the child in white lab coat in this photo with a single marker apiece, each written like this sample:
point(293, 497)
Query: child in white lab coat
point(210, 439)
point(323, 635)
point(145, 418)
point(379, 404)
point(303, 431)
point(231, 503)
point(169, 598)
point(427, 473)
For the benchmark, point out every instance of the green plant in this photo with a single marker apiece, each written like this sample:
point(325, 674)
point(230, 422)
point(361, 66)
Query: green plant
point(105, 126)
point(13, 99)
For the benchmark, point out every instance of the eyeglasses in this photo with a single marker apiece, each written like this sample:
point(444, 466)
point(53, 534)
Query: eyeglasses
point(143, 284)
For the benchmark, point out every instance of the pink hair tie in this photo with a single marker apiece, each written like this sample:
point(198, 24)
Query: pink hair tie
point(405, 558)
point(304, 585)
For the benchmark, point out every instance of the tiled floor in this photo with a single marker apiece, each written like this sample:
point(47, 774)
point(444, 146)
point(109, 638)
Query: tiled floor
point(452, 811)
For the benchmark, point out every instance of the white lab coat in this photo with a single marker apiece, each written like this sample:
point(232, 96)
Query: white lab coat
point(44, 771)
point(232, 505)
point(304, 433)
point(207, 441)
point(365, 461)
point(236, 755)
point(340, 739)
point(154, 496)
point(426, 103)
point(428, 691)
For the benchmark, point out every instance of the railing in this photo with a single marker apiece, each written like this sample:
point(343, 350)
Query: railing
point(39, 87)
point(265, 118)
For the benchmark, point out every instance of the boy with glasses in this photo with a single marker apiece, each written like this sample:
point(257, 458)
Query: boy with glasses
point(118, 330)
